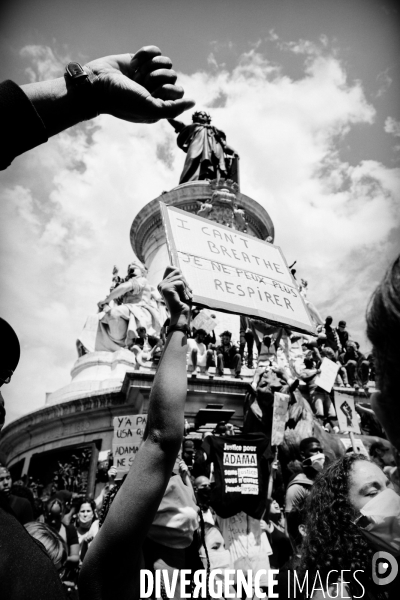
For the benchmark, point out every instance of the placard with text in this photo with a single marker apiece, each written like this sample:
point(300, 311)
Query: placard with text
point(234, 272)
point(128, 435)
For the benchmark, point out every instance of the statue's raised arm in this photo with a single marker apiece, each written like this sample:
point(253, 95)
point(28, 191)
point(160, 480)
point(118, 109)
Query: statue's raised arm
point(177, 125)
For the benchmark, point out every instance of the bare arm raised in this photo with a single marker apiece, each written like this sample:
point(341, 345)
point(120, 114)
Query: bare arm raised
point(111, 567)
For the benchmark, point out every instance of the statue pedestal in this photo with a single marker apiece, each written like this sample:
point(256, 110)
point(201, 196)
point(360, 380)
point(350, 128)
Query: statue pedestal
point(95, 373)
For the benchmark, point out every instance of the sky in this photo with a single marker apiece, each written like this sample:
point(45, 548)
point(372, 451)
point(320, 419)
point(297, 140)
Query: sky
point(307, 91)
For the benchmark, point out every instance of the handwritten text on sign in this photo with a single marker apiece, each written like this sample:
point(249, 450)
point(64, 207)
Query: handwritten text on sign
point(233, 271)
point(128, 435)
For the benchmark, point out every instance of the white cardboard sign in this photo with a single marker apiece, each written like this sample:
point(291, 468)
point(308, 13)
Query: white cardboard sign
point(281, 403)
point(347, 443)
point(234, 272)
point(326, 378)
point(204, 321)
point(346, 414)
point(128, 435)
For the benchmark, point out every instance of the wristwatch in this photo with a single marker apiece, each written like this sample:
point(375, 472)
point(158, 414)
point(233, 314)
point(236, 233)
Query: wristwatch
point(76, 74)
point(80, 82)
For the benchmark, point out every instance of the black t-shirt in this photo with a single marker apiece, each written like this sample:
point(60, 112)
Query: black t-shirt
point(26, 572)
point(69, 535)
point(241, 473)
point(281, 548)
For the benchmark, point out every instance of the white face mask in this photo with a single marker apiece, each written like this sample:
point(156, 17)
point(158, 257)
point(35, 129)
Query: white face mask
point(219, 559)
point(316, 461)
point(380, 521)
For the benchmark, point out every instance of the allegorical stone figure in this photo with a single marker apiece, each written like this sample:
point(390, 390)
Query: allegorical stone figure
point(132, 304)
point(207, 154)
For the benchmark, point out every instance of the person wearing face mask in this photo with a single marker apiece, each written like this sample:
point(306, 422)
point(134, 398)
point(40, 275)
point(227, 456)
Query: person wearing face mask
point(313, 460)
point(213, 552)
point(352, 513)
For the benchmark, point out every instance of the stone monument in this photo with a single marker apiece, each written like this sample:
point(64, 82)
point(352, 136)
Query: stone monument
point(107, 380)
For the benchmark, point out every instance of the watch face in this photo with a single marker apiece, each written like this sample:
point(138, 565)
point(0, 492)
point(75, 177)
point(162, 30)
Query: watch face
point(76, 72)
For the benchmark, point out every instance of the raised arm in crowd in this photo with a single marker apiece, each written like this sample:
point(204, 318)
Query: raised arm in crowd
point(111, 567)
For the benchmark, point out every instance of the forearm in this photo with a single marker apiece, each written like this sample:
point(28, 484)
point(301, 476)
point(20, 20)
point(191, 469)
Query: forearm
point(117, 546)
point(168, 394)
point(58, 107)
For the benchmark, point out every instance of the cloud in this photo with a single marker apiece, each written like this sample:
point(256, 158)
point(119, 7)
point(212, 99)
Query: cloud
point(384, 81)
point(45, 63)
point(68, 205)
point(392, 126)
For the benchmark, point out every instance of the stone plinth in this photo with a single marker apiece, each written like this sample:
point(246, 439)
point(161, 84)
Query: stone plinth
point(95, 372)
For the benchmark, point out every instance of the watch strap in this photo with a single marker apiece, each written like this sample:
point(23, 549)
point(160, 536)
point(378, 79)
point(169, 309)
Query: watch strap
point(79, 81)
point(184, 328)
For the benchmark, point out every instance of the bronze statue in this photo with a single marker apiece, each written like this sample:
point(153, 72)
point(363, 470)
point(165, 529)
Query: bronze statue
point(207, 154)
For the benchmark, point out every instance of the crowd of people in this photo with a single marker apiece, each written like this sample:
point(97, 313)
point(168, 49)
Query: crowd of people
point(327, 525)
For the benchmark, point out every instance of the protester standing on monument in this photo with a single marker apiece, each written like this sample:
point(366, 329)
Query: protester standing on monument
point(332, 339)
point(227, 356)
point(342, 334)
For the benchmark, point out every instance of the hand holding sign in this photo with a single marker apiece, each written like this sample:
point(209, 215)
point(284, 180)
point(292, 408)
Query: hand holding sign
point(177, 294)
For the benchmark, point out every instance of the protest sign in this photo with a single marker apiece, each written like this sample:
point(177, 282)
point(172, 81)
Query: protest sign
point(240, 468)
point(326, 378)
point(204, 321)
point(234, 272)
point(281, 403)
point(128, 435)
point(361, 449)
point(346, 414)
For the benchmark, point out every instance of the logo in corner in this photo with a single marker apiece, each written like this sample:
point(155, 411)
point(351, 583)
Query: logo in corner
point(384, 568)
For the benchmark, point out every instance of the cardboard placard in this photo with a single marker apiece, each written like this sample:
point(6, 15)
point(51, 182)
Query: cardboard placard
point(346, 414)
point(234, 272)
point(281, 403)
point(128, 435)
point(347, 443)
point(204, 321)
point(326, 378)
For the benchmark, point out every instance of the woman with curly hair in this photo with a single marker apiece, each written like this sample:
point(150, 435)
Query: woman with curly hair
point(337, 554)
